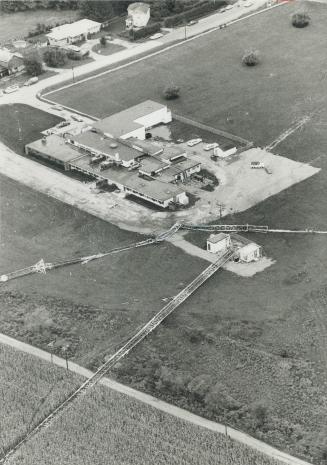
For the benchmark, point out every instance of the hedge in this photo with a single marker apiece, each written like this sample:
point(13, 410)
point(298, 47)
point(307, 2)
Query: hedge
point(193, 13)
point(146, 31)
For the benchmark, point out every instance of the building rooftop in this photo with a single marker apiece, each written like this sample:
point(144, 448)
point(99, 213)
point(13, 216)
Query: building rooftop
point(149, 148)
point(150, 164)
point(214, 238)
point(126, 121)
point(106, 145)
point(250, 247)
point(55, 147)
point(72, 30)
point(173, 151)
point(152, 188)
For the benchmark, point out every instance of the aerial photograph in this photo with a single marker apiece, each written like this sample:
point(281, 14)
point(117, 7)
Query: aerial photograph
point(163, 232)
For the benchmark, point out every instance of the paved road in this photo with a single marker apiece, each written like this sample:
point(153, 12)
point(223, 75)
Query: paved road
point(158, 404)
point(205, 26)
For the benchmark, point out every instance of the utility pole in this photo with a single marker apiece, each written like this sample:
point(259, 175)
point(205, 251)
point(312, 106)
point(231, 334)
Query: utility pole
point(221, 208)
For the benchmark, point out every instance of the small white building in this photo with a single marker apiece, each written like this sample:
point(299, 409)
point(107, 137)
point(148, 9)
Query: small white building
point(138, 15)
point(219, 243)
point(72, 33)
point(250, 252)
point(218, 152)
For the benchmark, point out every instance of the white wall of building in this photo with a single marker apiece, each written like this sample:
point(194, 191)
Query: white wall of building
point(217, 247)
point(152, 119)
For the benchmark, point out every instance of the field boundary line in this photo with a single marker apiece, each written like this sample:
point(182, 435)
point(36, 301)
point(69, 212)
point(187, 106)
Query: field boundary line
point(288, 132)
point(219, 132)
point(158, 52)
point(159, 404)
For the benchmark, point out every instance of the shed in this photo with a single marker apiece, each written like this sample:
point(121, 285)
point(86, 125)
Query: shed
point(250, 252)
point(218, 243)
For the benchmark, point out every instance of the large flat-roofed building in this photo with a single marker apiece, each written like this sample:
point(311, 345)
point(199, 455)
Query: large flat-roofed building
point(96, 144)
point(53, 148)
point(159, 193)
point(134, 121)
point(72, 33)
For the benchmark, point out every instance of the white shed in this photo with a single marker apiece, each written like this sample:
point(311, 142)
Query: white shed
point(218, 243)
point(250, 252)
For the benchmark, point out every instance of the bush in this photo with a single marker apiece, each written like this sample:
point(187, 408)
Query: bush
point(260, 413)
point(144, 32)
point(54, 57)
point(171, 92)
point(103, 41)
point(33, 63)
point(300, 20)
point(251, 58)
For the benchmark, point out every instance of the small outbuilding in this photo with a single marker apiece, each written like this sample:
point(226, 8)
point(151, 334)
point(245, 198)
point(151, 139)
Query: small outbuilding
point(219, 243)
point(250, 252)
point(138, 15)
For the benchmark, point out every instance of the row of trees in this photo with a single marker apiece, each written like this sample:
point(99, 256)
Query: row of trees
point(11, 6)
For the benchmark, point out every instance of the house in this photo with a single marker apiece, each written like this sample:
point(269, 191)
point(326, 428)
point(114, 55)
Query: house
point(134, 121)
point(219, 243)
point(10, 63)
point(250, 252)
point(72, 33)
point(115, 150)
point(138, 15)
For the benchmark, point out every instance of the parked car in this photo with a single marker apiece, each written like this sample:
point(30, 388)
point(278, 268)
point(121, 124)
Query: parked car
point(257, 164)
point(11, 89)
point(105, 165)
point(226, 8)
point(247, 4)
point(210, 146)
point(191, 23)
point(77, 118)
point(193, 142)
point(31, 81)
point(156, 36)
point(63, 124)
point(1, 93)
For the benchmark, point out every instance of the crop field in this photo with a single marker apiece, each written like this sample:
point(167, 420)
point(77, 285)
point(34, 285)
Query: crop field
point(29, 390)
point(103, 426)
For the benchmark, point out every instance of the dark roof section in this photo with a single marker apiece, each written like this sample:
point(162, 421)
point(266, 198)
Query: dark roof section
point(55, 147)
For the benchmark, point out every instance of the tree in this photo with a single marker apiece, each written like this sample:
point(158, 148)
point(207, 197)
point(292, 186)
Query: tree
point(300, 19)
point(33, 63)
point(171, 92)
point(251, 58)
point(55, 57)
point(97, 10)
point(103, 41)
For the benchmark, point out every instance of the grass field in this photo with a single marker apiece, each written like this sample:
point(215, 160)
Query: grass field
point(103, 426)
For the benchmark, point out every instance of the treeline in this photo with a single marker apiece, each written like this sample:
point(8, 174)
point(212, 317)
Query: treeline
point(12, 6)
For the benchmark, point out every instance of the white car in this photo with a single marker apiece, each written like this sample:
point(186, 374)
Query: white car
point(193, 142)
point(210, 146)
point(156, 36)
point(77, 118)
point(11, 89)
point(32, 80)
point(247, 4)
point(226, 8)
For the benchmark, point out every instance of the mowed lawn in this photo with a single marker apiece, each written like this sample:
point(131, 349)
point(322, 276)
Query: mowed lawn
point(259, 102)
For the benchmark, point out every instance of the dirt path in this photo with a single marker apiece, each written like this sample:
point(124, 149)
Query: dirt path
point(158, 404)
